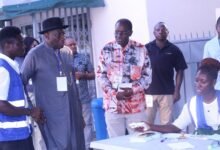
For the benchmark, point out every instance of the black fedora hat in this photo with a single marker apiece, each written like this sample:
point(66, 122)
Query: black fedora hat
point(52, 24)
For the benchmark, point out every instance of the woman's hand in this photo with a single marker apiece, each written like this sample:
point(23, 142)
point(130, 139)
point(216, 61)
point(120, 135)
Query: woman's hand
point(140, 126)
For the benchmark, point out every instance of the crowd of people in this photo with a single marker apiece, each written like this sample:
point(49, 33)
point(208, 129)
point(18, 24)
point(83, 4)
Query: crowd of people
point(48, 82)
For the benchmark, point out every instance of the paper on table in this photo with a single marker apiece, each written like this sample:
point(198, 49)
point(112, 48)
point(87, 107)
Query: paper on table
point(134, 125)
point(144, 137)
point(180, 145)
point(214, 137)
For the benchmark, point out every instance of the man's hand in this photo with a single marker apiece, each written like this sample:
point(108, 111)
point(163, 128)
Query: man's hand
point(128, 92)
point(120, 96)
point(80, 75)
point(37, 114)
point(124, 94)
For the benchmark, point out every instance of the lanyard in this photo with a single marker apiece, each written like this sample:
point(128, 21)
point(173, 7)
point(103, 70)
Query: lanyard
point(59, 60)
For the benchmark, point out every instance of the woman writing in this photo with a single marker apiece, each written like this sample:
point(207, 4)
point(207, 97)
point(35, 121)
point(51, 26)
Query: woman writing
point(203, 109)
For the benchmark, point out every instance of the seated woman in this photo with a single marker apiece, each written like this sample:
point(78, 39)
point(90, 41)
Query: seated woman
point(203, 109)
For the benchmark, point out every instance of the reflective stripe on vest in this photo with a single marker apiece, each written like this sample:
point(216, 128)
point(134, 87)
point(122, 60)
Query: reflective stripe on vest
point(17, 124)
point(18, 103)
point(14, 127)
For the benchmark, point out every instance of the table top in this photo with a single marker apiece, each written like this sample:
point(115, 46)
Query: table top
point(156, 142)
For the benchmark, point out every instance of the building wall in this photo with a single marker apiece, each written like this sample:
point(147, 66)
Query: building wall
point(103, 22)
point(184, 18)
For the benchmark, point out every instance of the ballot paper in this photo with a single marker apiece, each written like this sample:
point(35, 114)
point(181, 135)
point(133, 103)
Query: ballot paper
point(135, 125)
point(144, 136)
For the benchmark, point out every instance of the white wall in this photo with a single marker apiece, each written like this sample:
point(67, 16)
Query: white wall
point(217, 13)
point(183, 17)
point(103, 21)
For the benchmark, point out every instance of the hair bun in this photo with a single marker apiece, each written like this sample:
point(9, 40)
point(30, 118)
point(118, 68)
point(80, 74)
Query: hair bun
point(210, 62)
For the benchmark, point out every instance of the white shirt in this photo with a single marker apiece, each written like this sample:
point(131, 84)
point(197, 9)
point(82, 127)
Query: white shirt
point(4, 76)
point(212, 49)
point(211, 115)
point(4, 88)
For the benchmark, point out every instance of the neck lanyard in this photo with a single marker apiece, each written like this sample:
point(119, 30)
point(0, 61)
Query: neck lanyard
point(59, 60)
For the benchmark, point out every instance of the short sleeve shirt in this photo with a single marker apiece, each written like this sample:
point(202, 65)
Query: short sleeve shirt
point(5, 78)
point(212, 49)
point(211, 115)
point(163, 63)
point(82, 63)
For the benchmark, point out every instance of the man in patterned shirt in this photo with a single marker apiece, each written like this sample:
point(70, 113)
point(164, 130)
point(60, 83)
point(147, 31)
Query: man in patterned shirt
point(124, 72)
point(84, 71)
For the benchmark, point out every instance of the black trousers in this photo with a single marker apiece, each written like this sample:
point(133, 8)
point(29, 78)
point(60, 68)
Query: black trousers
point(25, 144)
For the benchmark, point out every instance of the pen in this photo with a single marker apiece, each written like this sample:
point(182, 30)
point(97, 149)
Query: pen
point(164, 139)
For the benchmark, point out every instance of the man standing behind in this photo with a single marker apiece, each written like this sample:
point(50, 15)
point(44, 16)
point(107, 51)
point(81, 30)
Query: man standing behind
point(124, 72)
point(163, 93)
point(54, 89)
point(15, 132)
point(84, 71)
point(212, 50)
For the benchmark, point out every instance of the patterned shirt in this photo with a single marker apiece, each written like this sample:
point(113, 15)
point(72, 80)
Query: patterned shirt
point(82, 63)
point(118, 66)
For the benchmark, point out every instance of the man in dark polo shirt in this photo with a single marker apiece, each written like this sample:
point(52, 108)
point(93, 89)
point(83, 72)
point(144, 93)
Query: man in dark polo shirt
point(165, 58)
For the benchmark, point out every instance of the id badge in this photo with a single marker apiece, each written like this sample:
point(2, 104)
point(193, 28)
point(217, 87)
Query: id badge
point(61, 84)
point(149, 100)
point(117, 80)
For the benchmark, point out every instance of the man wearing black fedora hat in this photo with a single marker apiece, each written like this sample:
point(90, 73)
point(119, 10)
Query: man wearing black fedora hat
point(52, 24)
point(55, 89)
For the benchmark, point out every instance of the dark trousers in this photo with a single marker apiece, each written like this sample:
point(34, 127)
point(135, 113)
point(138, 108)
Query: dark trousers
point(25, 144)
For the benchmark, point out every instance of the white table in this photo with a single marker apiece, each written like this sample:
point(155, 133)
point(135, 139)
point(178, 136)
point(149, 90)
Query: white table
point(124, 143)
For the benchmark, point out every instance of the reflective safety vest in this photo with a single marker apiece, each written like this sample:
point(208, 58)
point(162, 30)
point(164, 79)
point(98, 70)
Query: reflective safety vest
point(14, 127)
